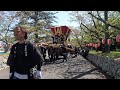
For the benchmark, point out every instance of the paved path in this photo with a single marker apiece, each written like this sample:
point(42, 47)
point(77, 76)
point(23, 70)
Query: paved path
point(74, 68)
point(4, 73)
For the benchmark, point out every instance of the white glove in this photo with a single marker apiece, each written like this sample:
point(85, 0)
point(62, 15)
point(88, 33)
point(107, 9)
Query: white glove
point(38, 75)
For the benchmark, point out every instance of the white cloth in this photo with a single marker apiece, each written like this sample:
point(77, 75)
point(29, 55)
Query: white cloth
point(21, 76)
point(38, 75)
point(47, 56)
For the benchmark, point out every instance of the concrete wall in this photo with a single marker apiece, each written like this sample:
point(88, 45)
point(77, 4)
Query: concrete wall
point(108, 65)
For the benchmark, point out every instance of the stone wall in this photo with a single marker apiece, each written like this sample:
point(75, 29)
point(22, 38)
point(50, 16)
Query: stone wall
point(108, 65)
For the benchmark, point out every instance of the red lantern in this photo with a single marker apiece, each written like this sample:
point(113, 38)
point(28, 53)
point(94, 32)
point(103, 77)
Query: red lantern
point(118, 38)
point(88, 44)
point(91, 44)
point(108, 41)
point(103, 41)
point(98, 45)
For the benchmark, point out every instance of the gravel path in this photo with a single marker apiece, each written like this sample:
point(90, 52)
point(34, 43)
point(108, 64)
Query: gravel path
point(74, 68)
point(3, 61)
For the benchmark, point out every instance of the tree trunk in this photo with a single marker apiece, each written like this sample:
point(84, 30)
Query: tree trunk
point(106, 47)
point(35, 24)
point(36, 38)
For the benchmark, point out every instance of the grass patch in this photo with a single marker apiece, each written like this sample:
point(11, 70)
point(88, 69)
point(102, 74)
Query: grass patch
point(112, 54)
point(4, 54)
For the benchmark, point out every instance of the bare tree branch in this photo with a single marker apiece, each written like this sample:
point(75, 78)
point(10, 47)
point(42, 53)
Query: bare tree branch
point(97, 35)
point(104, 21)
point(99, 14)
point(94, 22)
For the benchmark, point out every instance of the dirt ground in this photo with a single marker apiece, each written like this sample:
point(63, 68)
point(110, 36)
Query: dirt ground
point(74, 68)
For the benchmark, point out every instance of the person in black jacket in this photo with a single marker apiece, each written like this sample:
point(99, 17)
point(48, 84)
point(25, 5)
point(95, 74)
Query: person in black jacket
point(25, 59)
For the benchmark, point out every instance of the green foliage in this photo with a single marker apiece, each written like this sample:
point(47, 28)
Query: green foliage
point(4, 54)
point(36, 21)
point(112, 54)
point(94, 29)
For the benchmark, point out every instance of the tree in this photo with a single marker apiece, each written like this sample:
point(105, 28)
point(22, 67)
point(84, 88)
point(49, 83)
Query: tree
point(75, 34)
point(91, 28)
point(107, 47)
point(38, 20)
point(97, 25)
point(6, 23)
point(107, 24)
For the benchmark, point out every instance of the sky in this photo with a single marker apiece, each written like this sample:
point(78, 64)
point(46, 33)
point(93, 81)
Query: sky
point(63, 19)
